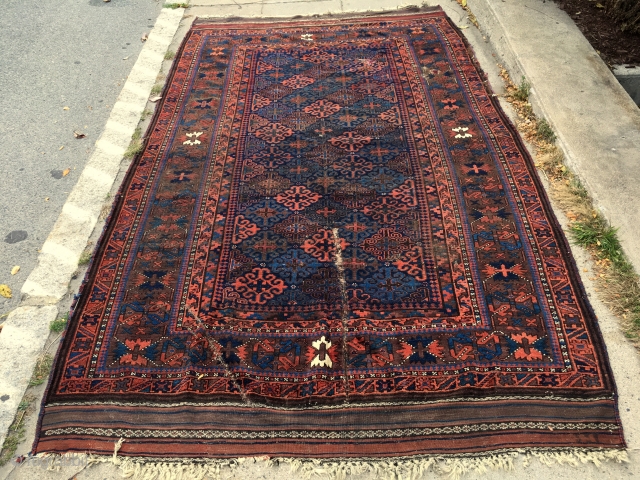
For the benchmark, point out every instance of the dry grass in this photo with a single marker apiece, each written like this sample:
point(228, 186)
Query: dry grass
point(17, 430)
point(41, 370)
point(615, 277)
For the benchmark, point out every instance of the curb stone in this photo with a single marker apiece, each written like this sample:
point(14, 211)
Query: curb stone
point(596, 121)
point(24, 335)
point(27, 328)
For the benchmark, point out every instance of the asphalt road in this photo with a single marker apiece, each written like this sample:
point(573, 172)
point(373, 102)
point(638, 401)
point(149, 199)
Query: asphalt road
point(62, 66)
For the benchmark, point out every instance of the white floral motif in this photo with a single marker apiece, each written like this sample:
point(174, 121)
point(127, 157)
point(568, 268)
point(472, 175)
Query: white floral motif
point(462, 135)
point(195, 140)
point(323, 347)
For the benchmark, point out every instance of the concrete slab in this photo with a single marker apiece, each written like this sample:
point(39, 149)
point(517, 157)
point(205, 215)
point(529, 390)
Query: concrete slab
point(292, 9)
point(22, 339)
point(597, 123)
point(250, 10)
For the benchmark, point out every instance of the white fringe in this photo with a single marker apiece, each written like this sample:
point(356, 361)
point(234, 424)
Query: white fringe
point(403, 468)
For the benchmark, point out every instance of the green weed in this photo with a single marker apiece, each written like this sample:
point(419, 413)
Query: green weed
point(173, 6)
point(523, 90)
point(596, 233)
point(85, 258)
point(58, 325)
point(135, 146)
point(545, 132)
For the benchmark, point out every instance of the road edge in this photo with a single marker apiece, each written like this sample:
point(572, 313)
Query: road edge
point(47, 284)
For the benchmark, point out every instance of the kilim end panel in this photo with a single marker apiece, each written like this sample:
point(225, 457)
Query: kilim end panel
point(334, 244)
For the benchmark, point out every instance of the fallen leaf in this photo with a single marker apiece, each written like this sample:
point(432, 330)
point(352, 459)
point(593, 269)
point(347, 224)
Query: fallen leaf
point(46, 200)
point(65, 172)
point(144, 37)
point(78, 134)
point(5, 291)
point(201, 376)
point(585, 269)
point(464, 26)
point(61, 147)
point(65, 108)
point(127, 57)
point(599, 5)
point(463, 3)
point(15, 270)
point(155, 99)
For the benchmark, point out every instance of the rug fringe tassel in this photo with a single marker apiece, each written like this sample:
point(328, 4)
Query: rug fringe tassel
point(451, 467)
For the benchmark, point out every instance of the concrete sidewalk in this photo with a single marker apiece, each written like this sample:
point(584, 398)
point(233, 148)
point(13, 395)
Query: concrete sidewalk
point(598, 127)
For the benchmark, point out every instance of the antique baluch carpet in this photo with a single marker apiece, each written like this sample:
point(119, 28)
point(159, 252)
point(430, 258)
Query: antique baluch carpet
point(334, 246)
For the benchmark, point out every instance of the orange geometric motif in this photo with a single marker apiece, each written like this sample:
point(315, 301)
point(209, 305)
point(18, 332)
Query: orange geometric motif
point(526, 351)
point(135, 354)
point(298, 198)
point(350, 141)
point(259, 285)
point(274, 132)
point(243, 229)
point(259, 101)
point(386, 210)
point(322, 245)
point(406, 193)
point(318, 56)
point(298, 81)
point(412, 262)
point(353, 166)
point(322, 108)
point(392, 116)
point(387, 244)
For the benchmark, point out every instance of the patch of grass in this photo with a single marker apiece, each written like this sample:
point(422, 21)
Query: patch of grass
point(545, 132)
point(169, 55)
point(58, 324)
point(17, 431)
point(156, 89)
point(85, 258)
point(15, 436)
point(614, 276)
point(173, 6)
point(577, 188)
point(522, 91)
point(135, 146)
point(145, 114)
point(41, 370)
point(597, 234)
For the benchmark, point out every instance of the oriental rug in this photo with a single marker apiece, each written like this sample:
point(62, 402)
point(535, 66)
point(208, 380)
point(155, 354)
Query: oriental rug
point(333, 246)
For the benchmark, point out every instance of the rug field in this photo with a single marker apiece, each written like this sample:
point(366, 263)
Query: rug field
point(333, 246)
